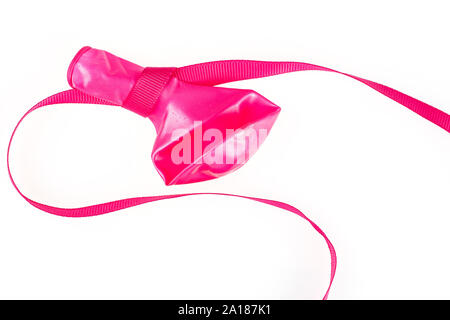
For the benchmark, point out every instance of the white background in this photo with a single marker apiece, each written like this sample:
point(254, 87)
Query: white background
point(372, 174)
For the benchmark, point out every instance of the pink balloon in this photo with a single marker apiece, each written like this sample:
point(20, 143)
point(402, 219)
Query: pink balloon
point(203, 132)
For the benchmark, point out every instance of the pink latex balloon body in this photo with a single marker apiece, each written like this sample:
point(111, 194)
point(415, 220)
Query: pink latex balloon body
point(219, 128)
point(203, 132)
point(103, 75)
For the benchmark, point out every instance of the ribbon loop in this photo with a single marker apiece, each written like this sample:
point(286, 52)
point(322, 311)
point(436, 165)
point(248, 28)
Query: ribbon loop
point(75, 96)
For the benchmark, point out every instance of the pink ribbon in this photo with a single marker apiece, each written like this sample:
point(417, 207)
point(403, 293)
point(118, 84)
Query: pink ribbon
point(210, 74)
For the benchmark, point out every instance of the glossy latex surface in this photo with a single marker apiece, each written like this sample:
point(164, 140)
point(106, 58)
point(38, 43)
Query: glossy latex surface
point(103, 75)
point(207, 132)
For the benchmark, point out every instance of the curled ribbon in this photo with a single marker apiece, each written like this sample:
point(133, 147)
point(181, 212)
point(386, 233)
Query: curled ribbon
point(176, 100)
